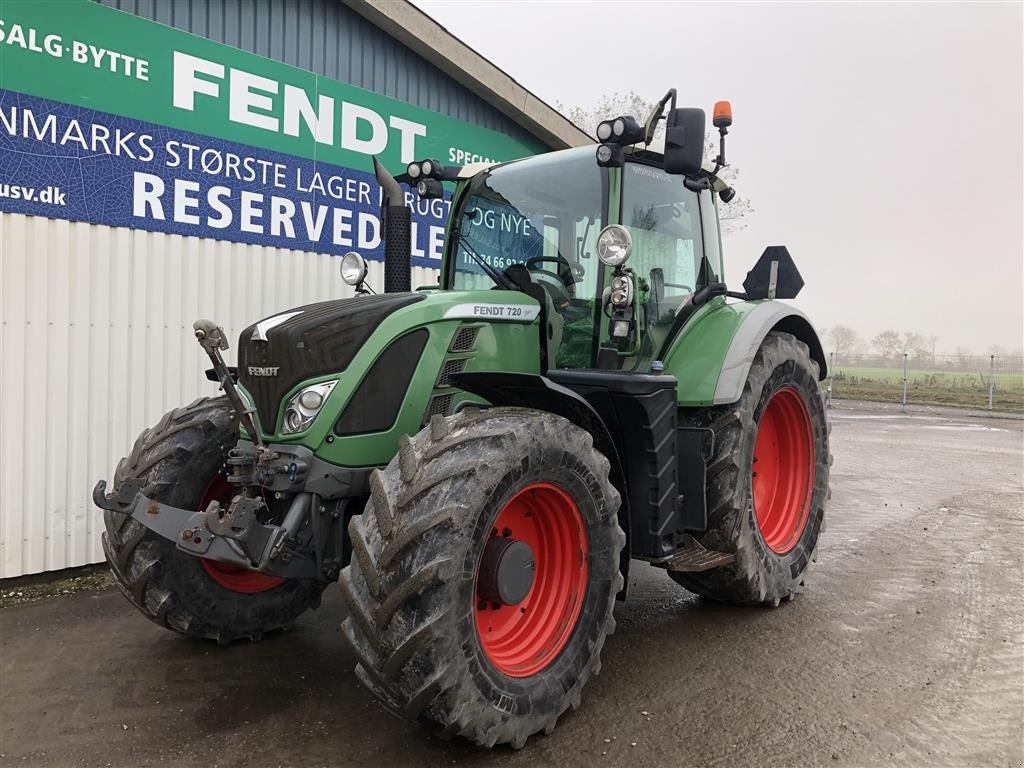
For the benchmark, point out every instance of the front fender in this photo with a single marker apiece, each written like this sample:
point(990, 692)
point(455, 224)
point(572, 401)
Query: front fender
point(712, 355)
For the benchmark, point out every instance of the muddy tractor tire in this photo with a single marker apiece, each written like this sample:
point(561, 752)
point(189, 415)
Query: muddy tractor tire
point(767, 481)
point(484, 574)
point(180, 462)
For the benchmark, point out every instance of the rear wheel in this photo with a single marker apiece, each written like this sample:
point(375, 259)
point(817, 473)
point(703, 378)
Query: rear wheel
point(767, 482)
point(484, 574)
point(180, 462)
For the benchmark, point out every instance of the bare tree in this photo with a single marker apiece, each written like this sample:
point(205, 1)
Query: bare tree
point(917, 346)
point(845, 340)
point(732, 216)
point(610, 105)
point(887, 343)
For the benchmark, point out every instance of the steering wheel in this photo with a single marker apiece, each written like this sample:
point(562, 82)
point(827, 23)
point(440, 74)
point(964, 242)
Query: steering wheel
point(571, 274)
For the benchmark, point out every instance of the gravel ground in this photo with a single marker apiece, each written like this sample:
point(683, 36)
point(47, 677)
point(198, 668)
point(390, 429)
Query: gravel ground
point(906, 648)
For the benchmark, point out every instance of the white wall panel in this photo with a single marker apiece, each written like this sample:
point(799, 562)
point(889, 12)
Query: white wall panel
point(97, 344)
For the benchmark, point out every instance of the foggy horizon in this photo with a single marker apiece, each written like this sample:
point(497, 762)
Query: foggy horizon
point(882, 144)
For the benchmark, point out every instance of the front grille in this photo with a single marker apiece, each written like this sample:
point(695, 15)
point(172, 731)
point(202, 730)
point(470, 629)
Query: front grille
point(464, 339)
point(449, 368)
point(319, 339)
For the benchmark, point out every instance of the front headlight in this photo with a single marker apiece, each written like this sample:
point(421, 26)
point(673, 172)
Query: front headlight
point(304, 407)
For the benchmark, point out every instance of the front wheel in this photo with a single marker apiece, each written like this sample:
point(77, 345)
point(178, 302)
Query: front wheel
point(180, 462)
point(767, 482)
point(484, 574)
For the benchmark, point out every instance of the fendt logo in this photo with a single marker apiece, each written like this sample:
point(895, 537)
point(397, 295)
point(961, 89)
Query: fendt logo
point(264, 370)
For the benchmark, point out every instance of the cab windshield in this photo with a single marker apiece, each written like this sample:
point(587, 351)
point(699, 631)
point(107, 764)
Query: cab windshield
point(543, 215)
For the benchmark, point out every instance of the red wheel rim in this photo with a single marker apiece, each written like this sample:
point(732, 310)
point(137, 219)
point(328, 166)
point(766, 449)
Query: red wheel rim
point(782, 473)
point(521, 640)
point(228, 576)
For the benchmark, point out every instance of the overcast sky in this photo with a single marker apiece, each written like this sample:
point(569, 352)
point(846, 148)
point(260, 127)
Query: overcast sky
point(881, 143)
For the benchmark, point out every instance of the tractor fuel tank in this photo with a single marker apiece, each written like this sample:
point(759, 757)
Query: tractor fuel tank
point(663, 465)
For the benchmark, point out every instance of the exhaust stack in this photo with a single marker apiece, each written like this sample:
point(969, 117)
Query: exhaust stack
point(396, 225)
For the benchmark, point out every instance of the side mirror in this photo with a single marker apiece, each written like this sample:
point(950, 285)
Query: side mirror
point(684, 141)
point(774, 276)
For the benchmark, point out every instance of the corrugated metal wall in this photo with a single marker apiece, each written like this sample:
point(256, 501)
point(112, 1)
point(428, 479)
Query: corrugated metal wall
point(97, 322)
point(329, 38)
point(97, 344)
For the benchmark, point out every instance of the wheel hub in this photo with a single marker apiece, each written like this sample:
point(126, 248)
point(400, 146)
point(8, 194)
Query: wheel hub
point(531, 580)
point(782, 471)
point(506, 571)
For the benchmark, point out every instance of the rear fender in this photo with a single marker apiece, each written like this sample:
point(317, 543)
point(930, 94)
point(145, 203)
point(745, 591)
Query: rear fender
point(712, 354)
point(766, 317)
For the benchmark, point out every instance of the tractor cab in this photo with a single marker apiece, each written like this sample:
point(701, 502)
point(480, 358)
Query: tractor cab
point(615, 252)
point(619, 247)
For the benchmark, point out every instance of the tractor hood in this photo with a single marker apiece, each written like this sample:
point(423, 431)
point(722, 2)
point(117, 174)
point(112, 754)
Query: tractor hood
point(389, 355)
point(279, 352)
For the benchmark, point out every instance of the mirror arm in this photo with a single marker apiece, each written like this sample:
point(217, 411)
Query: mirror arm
point(652, 121)
point(708, 292)
point(698, 183)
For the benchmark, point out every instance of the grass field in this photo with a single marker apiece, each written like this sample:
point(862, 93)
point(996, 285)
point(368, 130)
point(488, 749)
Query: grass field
point(952, 388)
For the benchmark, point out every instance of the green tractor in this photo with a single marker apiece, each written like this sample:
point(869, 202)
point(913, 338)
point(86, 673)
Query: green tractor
point(478, 463)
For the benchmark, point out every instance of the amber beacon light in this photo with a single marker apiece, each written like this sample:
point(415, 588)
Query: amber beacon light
point(722, 114)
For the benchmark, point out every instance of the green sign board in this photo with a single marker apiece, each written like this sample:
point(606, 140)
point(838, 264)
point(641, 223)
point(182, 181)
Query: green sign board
point(110, 118)
point(83, 53)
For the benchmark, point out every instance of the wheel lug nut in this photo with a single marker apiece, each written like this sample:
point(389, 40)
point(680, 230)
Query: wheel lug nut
point(482, 605)
point(506, 532)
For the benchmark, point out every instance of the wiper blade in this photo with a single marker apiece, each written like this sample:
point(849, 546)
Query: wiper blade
point(491, 272)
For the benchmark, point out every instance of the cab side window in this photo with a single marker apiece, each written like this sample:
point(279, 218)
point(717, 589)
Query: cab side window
point(663, 218)
point(712, 232)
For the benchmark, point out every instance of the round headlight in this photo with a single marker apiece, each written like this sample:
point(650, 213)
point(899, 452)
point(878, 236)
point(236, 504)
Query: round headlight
point(619, 127)
point(293, 420)
point(604, 153)
point(428, 167)
point(311, 400)
point(353, 268)
point(604, 131)
point(413, 170)
point(614, 245)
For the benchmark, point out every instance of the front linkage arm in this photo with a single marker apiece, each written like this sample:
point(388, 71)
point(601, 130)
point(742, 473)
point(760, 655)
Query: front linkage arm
point(235, 535)
point(212, 339)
